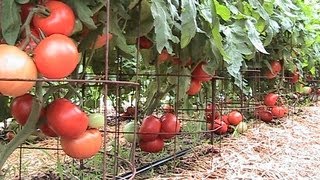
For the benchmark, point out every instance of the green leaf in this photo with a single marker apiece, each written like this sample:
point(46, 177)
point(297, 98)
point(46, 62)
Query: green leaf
point(163, 24)
point(188, 21)
point(83, 12)
point(259, 8)
point(10, 21)
point(4, 108)
point(253, 36)
point(222, 11)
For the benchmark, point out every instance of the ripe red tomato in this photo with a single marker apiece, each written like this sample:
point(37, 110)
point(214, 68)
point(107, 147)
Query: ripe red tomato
point(150, 128)
point(10, 135)
point(265, 115)
point(16, 64)
point(235, 117)
point(60, 21)
point(269, 75)
point(163, 56)
point(153, 146)
point(208, 112)
point(21, 108)
point(200, 74)
point(84, 146)
point(56, 56)
point(66, 119)
point(145, 43)
point(276, 66)
point(195, 87)
point(46, 130)
point(169, 125)
point(218, 126)
point(278, 111)
point(224, 118)
point(271, 99)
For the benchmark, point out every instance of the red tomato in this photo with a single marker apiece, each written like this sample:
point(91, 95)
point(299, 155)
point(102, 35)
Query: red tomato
point(265, 115)
point(195, 87)
point(16, 64)
point(169, 125)
point(270, 75)
point(200, 74)
point(224, 118)
point(150, 128)
point(84, 146)
point(145, 43)
point(10, 135)
point(66, 119)
point(56, 56)
point(21, 108)
point(271, 99)
point(208, 112)
point(218, 126)
point(163, 56)
point(60, 21)
point(276, 66)
point(46, 130)
point(153, 146)
point(235, 117)
point(278, 111)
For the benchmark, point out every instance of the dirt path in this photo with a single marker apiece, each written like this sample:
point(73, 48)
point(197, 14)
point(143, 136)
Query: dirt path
point(290, 150)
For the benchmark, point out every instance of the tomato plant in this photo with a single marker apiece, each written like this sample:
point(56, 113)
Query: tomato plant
point(66, 119)
point(170, 126)
point(150, 128)
point(60, 21)
point(84, 146)
point(16, 64)
point(56, 56)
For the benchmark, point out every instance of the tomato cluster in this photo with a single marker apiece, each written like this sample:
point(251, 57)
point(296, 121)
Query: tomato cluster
point(199, 75)
point(218, 123)
point(273, 108)
point(153, 131)
point(61, 118)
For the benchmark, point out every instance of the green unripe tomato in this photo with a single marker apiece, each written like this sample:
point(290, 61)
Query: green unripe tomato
point(96, 120)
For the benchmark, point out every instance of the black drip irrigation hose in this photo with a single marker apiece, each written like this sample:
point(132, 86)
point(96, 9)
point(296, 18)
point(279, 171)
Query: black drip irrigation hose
point(154, 164)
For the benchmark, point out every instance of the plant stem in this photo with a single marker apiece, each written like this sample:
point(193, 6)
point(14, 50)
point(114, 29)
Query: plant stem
point(27, 130)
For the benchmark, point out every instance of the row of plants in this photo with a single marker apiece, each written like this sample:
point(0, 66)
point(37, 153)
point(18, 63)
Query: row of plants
point(174, 49)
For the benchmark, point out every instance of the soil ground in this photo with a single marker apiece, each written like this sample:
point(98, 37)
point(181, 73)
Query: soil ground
point(289, 149)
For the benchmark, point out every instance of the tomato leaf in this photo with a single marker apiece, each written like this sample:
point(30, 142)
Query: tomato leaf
point(188, 21)
point(83, 12)
point(4, 108)
point(253, 36)
point(10, 21)
point(163, 26)
point(222, 11)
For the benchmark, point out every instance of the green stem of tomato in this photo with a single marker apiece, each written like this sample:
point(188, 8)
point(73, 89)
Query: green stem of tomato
point(27, 130)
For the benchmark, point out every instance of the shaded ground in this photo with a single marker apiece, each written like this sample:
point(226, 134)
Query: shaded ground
point(288, 150)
